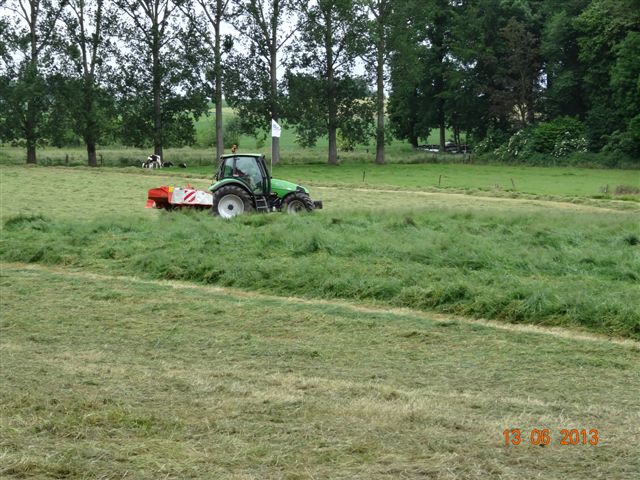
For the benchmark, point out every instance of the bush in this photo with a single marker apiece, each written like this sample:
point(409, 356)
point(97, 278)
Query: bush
point(519, 146)
point(559, 137)
point(569, 143)
point(345, 143)
point(492, 140)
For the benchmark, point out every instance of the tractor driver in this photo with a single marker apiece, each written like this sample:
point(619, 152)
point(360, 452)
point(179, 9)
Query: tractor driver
point(250, 173)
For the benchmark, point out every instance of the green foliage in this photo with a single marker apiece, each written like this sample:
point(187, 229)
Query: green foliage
point(345, 143)
point(558, 138)
point(567, 144)
point(428, 90)
point(160, 89)
point(519, 146)
point(549, 136)
point(625, 75)
point(627, 141)
point(232, 131)
point(609, 47)
point(493, 139)
point(324, 95)
point(483, 70)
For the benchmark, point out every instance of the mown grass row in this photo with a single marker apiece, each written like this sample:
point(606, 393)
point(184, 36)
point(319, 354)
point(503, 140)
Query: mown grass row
point(542, 268)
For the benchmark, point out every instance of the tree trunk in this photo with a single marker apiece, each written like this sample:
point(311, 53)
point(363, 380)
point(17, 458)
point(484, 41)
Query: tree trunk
point(31, 154)
point(332, 124)
point(218, 84)
point(275, 150)
point(219, 129)
point(333, 145)
point(30, 132)
point(273, 71)
point(30, 127)
point(380, 91)
point(90, 133)
point(531, 116)
point(442, 135)
point(91, 153)
point(157, 101)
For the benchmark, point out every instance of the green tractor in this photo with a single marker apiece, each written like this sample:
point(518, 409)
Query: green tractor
point(243, 184)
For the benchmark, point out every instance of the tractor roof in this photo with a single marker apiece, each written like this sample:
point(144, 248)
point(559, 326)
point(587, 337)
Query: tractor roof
point(231, 155)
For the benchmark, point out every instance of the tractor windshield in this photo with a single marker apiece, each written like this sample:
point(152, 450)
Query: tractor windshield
point(247, 169)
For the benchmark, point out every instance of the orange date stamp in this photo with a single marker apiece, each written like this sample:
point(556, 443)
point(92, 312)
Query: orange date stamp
point(573, 436)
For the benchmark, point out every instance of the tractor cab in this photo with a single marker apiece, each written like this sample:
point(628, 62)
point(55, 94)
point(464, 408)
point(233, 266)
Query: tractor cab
point(244, 184)
point(250, 169)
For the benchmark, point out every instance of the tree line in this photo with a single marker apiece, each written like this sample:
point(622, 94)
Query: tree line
point(512, 78)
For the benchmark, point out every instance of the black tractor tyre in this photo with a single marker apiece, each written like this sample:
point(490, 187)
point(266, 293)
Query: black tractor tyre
point(231, 200)
point(297, 202)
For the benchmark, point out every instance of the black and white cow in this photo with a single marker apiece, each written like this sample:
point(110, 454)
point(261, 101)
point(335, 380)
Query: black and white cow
point(154, 161)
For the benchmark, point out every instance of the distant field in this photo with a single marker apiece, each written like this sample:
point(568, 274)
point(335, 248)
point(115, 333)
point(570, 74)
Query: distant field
point(205, 133)
point(488, 178)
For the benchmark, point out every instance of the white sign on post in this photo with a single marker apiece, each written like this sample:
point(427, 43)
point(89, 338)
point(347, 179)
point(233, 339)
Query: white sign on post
point(275, 129)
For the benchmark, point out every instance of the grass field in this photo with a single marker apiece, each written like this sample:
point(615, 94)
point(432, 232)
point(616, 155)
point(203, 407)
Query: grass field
point(143, 344)
point(510, 259)
point(119, 377)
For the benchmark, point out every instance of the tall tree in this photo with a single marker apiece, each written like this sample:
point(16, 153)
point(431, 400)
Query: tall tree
point(519, 74)
point(160, 72)
point(606, 36)
point(87, 50)
point(215, 12)
point(252, 87)
point(420, 68)
point(564, 75)
point(405, 73)
point(381, 11)
point(25, 84)
point(331, 34)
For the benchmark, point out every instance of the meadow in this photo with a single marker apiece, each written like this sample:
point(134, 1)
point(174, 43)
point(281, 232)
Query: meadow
point(119, 377)
point(509, 259)
point(395, 334)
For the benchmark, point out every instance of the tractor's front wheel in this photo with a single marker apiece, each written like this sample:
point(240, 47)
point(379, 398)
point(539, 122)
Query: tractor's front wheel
point(230, 201)
point(296, 203)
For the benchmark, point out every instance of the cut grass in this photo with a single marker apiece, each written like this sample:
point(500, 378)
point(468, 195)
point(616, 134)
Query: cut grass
point(519, 261)
point(83, 193)
point(116, 378)
point(488, 178)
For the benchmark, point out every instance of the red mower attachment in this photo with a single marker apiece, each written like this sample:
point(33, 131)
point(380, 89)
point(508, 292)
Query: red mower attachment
point(170, 198)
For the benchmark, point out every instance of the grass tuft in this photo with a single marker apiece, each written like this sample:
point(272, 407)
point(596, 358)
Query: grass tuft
point(27, 221)
point(632, 239)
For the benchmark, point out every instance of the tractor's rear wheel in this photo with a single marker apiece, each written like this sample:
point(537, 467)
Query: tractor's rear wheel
point(296, 203)
point(230, 201)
